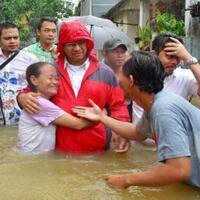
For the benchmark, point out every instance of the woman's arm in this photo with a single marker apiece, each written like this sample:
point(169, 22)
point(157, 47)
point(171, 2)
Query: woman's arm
point(72, 122)
point(125, 129)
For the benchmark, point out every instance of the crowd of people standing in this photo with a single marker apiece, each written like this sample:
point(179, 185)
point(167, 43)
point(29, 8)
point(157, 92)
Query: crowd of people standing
point(122, 88)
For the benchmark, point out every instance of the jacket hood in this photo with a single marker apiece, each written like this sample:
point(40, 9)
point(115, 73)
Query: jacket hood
point(73, 31)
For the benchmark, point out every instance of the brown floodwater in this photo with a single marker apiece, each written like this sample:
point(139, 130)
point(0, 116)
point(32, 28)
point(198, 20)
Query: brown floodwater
point(55, 176)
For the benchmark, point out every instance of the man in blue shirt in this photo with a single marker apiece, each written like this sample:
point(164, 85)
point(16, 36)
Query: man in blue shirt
point(173, 118)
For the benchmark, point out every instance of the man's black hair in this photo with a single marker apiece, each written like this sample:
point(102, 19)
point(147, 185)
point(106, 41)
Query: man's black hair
point(158, 44)
point(147, 71)
point(7, 25)
point(46, 19)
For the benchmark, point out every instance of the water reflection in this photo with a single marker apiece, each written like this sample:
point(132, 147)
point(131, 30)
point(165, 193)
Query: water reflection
point(56, 176)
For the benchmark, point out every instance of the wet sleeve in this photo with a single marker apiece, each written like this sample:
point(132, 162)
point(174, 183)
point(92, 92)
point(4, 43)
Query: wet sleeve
point(49, 112)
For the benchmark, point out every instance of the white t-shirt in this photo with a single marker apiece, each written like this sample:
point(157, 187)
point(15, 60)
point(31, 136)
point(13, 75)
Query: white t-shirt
point(36, 133)
point(76, 74)
point(182, 82)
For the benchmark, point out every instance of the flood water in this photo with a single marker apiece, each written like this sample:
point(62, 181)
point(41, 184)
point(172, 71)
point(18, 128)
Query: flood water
point(55, 176)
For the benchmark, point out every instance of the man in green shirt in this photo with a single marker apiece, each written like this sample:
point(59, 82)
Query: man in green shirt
point(46, 33)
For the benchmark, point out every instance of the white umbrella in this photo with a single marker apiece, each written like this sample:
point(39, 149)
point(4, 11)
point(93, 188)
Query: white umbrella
point(101, 30)
point(95, 21)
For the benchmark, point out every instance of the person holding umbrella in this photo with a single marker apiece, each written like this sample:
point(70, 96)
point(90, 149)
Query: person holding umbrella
point(82, 77)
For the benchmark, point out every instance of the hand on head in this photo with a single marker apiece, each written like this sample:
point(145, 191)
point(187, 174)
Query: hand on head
point(176, 48)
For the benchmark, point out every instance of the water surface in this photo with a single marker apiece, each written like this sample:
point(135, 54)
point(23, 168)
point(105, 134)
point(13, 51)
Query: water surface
point(55, 176)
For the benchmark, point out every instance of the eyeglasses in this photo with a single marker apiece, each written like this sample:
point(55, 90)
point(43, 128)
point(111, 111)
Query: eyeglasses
point(74, 44)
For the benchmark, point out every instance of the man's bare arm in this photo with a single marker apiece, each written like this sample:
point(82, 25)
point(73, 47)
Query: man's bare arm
point(28, 102)
point(172, 171)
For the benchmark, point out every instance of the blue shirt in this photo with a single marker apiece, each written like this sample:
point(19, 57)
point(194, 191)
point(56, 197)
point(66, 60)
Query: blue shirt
point(177, 124)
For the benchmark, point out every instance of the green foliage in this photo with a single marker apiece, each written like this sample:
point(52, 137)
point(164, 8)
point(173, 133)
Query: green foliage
point(164, 22)
point(26, 13)
point(144, 36)
point(167, 22)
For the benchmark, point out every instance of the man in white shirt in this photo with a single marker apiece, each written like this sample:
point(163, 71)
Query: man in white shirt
point(12, 75)
point(170, 50)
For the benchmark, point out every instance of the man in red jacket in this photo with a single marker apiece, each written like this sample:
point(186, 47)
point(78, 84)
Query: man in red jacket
point(82, 77)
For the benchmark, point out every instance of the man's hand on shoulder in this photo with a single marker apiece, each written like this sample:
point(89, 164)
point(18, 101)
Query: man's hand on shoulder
point(29, 102)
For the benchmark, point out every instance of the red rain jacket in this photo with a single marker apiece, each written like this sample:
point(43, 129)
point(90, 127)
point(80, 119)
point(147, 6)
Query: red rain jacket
point(99, 84)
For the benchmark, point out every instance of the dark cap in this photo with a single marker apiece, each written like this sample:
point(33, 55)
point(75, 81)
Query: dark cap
point(112, 44)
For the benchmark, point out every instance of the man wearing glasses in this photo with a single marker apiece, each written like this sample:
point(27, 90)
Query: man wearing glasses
point(83, 77)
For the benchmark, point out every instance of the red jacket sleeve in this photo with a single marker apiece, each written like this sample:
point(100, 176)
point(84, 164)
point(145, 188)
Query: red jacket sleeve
point(117, 106)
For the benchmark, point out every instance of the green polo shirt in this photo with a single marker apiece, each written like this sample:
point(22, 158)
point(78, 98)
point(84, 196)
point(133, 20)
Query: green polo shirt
point(42, 55)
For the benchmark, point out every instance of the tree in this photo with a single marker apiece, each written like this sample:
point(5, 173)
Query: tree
point(163, 22)
point(26, 13)
point(144, 36)
point(167, 22)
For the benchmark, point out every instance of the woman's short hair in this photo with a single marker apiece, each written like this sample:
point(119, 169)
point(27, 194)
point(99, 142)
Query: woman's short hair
point(34, 70)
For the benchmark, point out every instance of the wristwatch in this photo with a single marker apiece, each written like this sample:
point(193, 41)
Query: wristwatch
point(192, 61)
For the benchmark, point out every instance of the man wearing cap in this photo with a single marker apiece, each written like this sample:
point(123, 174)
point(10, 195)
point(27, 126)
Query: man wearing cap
point(82, 77)
point(115, 53)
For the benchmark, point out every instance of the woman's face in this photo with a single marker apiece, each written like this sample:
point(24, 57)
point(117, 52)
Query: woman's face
point(47, 82)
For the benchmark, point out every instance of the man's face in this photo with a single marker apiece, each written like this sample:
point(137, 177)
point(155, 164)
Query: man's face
point(169, 62)
point(9, 40)
point(76, 52)
point(125, 84)
point(116, 57)
point(47, 33)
